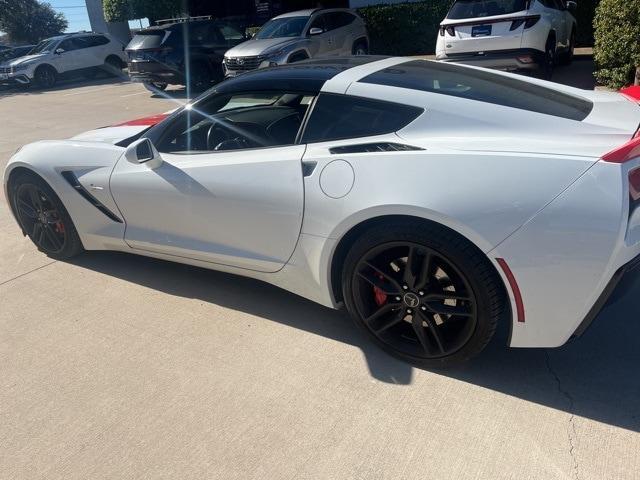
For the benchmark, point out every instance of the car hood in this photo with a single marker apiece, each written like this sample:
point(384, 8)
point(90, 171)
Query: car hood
point(26, 58)
point(256, 47)
point(116, 133)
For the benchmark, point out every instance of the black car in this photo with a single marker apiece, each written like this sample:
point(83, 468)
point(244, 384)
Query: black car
point(161, 55)
point(15, 52)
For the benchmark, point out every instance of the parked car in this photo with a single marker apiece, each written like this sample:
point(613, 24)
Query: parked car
point(66, 55)
point(300, 35)
point(14, 52)
point(529, 35)
point(432, 200)
point(181, 51)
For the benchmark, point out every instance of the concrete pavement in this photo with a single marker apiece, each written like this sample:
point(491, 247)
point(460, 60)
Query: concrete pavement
point(117, 366)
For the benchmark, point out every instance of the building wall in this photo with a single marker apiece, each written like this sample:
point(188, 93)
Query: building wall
point(119, 30)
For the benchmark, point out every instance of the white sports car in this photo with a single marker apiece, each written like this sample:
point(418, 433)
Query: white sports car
point(432, 200)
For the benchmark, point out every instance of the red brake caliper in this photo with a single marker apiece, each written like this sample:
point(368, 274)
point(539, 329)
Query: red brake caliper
point(379, 296)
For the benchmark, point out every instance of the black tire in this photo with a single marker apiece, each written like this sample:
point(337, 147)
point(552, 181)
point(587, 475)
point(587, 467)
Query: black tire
point(456, 268)
point(155, 86)
point(45, 76)
point(47, 222)
point(360, 47)
point(567, 57)
point(549, 61)
point(113, 66)
point(298, 57)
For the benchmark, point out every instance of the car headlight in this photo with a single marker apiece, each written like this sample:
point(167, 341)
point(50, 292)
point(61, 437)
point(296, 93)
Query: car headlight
point(19, 67)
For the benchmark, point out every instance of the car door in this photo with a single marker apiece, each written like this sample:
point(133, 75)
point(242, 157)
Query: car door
point(65, 57)
point(229, 189)
point(322, 44)
point(338, 23)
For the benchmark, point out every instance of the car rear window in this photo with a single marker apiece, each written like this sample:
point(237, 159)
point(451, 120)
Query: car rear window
point(485, 8)
point(489, 87)
point(148, 39)
point(341, 116)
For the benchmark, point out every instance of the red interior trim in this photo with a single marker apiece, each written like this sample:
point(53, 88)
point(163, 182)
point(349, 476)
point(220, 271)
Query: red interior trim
point(145, 121)
point(514, 288)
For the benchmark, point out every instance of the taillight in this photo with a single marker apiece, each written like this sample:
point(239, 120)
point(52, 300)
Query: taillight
point(624, 153)
point(531, 21)
point(516, 24)
point(449, 29)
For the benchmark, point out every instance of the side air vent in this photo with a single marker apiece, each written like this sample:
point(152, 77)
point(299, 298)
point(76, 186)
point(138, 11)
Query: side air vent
point(71, 178)
point(373, 147)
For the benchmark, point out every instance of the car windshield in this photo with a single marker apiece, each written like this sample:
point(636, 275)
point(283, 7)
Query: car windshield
point(485, 8)
point(45, 46)
point(283, 27)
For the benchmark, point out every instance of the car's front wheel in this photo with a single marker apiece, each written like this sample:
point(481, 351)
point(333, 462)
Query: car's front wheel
point(422, 293)
point(45, 76)
point(155, 86)
point(44, 218)
point(360, 48)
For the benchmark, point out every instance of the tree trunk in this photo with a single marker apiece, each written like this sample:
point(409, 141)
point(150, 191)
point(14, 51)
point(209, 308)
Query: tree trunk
point(637, 79)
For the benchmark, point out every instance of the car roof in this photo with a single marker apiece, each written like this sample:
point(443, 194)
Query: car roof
point(306, 76)
point(299, 13)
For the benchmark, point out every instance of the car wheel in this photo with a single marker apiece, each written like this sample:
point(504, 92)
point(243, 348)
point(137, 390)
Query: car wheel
point(45, 76)
point(43, 217)
point(567, 58)
point(360, 48)
point(155, 86)
point(112, 67)
point(549, 62)
point(422, 293)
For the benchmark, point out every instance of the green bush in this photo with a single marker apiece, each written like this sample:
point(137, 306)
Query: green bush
point(617, 43)
point(404, 28)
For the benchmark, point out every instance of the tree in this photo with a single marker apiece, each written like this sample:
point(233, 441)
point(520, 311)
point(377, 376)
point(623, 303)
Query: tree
point(617, 47)
point(122, 10)
point(30, 21)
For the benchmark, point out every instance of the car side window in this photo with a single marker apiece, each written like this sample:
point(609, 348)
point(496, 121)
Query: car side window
point(68, 45)
point(236, 121)
point(97, 40)
point(336, 117)
point(319, 22)
point(339, 19)
point(81, 42)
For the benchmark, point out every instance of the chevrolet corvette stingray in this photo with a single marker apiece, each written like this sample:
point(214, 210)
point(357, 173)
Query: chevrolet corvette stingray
point(431, 200)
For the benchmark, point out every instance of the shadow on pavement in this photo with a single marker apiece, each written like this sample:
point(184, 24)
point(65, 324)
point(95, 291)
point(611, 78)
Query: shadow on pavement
point(62, 85)
point(595, 376)
point(579, 74)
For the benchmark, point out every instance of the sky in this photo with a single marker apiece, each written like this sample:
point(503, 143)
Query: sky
point(75, 11)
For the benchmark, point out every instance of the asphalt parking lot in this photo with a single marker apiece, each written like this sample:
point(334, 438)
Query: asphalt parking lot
point(117, 366)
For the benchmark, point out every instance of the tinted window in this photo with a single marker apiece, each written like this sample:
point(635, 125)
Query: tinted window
point(339, 19)
point(236, 121)
point(485, 8)
point(97, 40)
point(342, 116)
point(319, 22)
point(458, 81)
point(148, 39)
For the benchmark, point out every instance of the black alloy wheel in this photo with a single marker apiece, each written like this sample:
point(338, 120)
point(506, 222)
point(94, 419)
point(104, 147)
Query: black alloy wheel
point(40, 219)
point(45, 77)
point(155, 86)
point(414, 300)
point(43, 218)
point(422, 293)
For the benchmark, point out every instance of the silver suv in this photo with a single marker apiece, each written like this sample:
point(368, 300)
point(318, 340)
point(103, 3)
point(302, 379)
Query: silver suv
point(300, 35)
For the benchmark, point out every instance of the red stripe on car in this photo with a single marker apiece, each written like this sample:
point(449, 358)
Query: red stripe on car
point(632, 93)
point(145, 121)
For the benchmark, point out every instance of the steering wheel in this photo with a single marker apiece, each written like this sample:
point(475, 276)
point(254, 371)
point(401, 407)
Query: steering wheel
point(215, 136)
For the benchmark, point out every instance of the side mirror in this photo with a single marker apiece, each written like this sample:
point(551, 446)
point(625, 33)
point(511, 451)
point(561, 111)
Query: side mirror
point(59, 51)
point(143, 151)
point(316, 31)
point(572, 6)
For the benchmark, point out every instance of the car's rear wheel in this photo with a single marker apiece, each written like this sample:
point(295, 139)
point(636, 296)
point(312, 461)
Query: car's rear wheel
point(45, 76)
point(567, 57)
point(422, 293)
point(360, 48)
point(549, 61)
point(155, 86)
point(44, 218)
point(113, 66)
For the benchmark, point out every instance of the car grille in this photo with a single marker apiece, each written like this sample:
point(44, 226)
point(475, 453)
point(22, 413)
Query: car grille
point(243, 63)
point(5, 69)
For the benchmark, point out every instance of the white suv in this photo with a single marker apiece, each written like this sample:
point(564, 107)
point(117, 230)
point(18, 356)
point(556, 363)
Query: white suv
point(509, 34)
point(75, 53)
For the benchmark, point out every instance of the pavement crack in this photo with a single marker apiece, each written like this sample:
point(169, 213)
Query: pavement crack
point(571, 427)
point(27, 273)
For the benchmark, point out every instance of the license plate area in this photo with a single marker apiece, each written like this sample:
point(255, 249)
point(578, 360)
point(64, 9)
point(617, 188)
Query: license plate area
point(481, 30)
